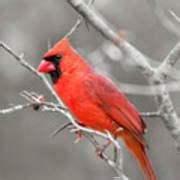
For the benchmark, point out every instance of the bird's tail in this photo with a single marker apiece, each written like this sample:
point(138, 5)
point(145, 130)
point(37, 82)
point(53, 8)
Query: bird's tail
point(139, 151)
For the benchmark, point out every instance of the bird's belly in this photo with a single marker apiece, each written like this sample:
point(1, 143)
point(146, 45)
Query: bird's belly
point(92, 116)
point(85, 111)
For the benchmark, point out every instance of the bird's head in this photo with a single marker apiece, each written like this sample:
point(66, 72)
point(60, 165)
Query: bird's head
point(52, 60)
point(61, 59)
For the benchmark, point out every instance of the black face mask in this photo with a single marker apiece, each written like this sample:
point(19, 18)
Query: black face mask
point(56, 74)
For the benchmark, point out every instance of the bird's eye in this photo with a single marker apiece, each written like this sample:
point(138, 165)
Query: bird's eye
point(58, 56)
point(54, 58)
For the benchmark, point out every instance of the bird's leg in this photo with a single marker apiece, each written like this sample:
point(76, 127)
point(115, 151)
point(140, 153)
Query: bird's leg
point(107, 144)
point(78, 136)
point(115, 158)
point(100, 150)
point(115, 155)
point(78, 133)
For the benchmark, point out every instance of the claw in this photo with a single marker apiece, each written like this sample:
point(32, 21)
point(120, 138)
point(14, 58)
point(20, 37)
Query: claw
point(100, 151)
point(79, 134)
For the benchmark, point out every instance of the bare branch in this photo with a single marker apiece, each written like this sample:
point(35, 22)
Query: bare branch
point(167, 111)
point(150, 114)
point(60, 128)
point(78, 23)
point(100, 25)
point(75, 27)
point(15, 108)
point(169, 61)
point(35, 102)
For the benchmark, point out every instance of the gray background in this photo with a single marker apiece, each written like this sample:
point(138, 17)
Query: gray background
point(26, 151)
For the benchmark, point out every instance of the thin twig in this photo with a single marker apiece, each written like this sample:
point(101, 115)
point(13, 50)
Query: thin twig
point(60, 128)
point(150, 114)
point(169, 61)
point(78, 23)
point(75, 27)
point(15, 108)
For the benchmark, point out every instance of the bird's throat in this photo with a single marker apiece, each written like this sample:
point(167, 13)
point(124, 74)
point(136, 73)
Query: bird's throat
point(55, 75)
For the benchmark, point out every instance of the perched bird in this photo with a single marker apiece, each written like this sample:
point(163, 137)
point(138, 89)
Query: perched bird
point(96, 101)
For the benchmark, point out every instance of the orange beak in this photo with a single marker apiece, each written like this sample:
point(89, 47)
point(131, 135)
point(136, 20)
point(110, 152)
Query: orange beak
point(46, 67)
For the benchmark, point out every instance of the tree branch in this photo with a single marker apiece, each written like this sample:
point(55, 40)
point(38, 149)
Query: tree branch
point(169, 61)
point(101, 26)
point(150, 114)
point(15, 108)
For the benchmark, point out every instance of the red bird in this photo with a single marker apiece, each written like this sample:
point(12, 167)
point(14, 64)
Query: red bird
point(96, 101)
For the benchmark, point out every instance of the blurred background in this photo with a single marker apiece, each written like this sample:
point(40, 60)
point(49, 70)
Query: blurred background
point(26, 150)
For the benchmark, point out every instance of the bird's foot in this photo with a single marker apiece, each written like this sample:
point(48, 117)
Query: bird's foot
point(79, 134)
point(100, 151)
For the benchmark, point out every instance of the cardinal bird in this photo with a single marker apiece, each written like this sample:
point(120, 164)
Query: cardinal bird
point(96, 101)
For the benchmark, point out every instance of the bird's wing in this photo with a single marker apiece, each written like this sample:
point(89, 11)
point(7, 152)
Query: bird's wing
point(114, 103)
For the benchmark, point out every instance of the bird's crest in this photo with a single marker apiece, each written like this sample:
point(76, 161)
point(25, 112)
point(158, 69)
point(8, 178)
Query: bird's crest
point(61, 47)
